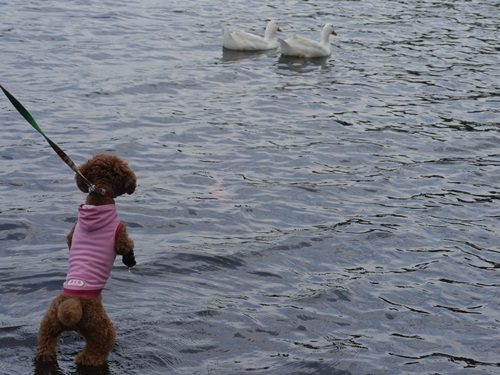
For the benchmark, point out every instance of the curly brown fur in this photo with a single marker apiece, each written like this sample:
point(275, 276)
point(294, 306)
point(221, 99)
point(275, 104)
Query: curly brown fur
point(94, 325)
point(108, 172)
point(86, 315)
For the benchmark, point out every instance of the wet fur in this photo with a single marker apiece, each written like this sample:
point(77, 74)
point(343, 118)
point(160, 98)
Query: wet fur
point(116, 177)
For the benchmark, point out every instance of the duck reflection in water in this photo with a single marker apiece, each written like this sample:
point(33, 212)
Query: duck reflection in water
point(230, 55)
point(302, 64)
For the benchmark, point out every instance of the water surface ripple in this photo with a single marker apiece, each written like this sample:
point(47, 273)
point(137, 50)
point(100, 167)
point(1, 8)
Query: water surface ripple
point(331, 216)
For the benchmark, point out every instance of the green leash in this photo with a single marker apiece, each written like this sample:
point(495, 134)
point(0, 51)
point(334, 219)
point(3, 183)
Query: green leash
point(24, 112)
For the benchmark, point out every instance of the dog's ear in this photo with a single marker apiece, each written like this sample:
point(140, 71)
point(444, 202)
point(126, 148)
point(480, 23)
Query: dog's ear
point(129, 179)
point(79, 180)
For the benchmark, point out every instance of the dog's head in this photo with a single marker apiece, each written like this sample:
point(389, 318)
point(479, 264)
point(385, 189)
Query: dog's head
point(109, 172)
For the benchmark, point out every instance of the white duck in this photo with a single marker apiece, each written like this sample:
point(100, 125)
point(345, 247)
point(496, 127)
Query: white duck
point(303, 47)
point(242, 41)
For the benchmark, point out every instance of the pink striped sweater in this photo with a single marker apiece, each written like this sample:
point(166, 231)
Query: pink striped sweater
point(92, 252)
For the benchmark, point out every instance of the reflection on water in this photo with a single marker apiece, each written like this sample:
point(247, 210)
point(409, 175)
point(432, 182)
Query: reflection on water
point(301, 64)
point(52, 368)
point(292, 216)
point(230, 55)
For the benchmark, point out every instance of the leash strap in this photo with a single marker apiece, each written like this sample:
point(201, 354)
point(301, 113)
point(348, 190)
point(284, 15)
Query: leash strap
point(24, 112)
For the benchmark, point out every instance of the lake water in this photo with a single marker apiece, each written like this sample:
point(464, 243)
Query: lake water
point(332, 216)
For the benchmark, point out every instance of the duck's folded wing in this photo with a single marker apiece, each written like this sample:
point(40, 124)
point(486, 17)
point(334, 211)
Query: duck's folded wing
point(249, 41)
point(303, 43)
point(241, 40)
point(299, 46)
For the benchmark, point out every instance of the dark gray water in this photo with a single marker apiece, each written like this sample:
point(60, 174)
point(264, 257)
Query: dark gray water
point(334, 216)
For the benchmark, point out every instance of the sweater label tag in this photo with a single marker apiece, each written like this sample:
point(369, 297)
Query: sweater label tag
point(76, 282)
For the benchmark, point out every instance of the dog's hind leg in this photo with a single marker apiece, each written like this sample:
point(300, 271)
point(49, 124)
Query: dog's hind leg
point(99, 334)
point(50, 329)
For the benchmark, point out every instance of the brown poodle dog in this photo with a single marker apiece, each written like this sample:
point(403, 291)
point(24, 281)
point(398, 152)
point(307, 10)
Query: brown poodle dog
point(94, 241)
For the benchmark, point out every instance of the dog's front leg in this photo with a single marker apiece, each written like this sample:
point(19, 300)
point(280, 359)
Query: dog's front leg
point(124, 246)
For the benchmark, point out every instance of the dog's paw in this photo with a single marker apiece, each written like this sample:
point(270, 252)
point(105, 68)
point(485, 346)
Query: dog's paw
point(129, 260)
point(45, 358)
point(46, 366)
